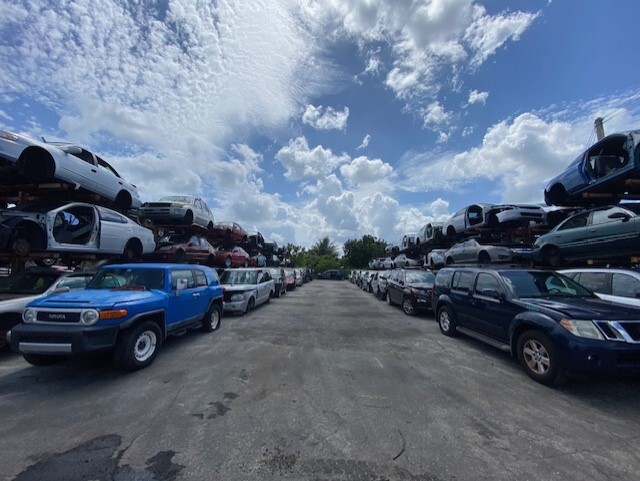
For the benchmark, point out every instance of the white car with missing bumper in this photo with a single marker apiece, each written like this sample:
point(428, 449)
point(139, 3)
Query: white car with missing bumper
point(246, 288)
point(24, 158)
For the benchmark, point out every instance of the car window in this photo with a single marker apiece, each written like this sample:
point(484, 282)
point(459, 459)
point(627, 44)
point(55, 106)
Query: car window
point(111, 216)
point(595, 281)
point(105, 167)
point(195, 240)
point(487, 281)
point(625, 285)
point(543, 284)
point(462, 280)
point(74, 282)
point(602, 216)
point(26, 283)
point(201, 279)
point(575, 222)
point(182, 274)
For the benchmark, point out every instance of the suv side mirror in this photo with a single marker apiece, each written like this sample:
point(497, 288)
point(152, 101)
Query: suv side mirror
point(492, 293)
point(61, 289)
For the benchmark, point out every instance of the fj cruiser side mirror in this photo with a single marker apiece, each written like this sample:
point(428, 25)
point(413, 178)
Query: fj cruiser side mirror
point(181, 285)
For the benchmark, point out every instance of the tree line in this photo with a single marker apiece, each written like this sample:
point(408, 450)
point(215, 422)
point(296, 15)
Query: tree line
point(324, 254)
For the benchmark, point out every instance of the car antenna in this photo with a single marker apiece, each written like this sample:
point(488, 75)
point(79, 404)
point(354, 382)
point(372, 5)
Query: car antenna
point(44, 140)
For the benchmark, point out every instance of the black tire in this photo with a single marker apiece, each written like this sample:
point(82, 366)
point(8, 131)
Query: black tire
point(447, 321)
point(408, 307)
point(37, 167)
point(227, 262)
point(132, 250)
point(123, 200)
point(46, 262)
point(557, 195)
point(188, 217)
point(138, 347)
point(42, 359)
point(389, 301)
point(211, 320)
point(451, 232)
point(180, 257)
point(539, 357)
point(210, 226)
point(378, 294)
point(484, 258)
point(449, 261)
point(250, 305)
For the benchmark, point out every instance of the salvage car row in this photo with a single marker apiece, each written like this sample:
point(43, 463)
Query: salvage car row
point(128, 309)
point(553, 325)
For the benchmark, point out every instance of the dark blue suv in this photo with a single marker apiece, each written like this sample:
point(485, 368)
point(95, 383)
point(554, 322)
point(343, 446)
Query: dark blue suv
point(552, 324)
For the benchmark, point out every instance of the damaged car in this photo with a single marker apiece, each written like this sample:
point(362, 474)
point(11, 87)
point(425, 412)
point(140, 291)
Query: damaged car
point(473, 251)
point(178, 209)
point(602, 173)
point(185, 248)
point(432, 231)
point(37, 161)
point(74, 227)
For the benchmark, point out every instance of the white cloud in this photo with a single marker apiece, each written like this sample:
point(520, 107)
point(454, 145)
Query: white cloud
point(467, 131)
point(363, 170)
point(476, 97)
point(325, 119)
point(365, 142)
point(488, 33)
point(301, 161)
point(436, 115)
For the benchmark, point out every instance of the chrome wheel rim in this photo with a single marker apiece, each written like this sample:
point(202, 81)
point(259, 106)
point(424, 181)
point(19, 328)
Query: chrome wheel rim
point(445, 321)
point(536, 357)
point(145, 346)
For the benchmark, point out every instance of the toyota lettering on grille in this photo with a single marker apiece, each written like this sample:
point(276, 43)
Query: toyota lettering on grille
point(57, 317)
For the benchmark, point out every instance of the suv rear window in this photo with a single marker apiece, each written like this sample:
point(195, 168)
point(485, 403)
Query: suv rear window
point(462, 281)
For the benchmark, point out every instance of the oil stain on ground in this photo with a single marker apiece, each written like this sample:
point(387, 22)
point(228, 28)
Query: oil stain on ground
point(98, 459)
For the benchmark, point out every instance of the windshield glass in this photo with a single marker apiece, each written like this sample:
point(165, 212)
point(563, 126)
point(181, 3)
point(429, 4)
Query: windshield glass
point(173, 239)
point(421, 276)
point(233, 277)
point(176, 198)
point(128, 278)
point(543, 284)
point(27, 283)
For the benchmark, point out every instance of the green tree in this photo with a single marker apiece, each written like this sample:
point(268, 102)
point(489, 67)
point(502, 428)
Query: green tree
point(325, 247)
point(358, 253)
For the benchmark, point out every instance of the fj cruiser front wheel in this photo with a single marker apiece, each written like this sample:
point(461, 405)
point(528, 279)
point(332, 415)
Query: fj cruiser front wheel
point(138, 347)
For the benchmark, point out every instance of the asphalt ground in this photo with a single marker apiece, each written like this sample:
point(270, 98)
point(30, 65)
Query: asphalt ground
point(327, 383)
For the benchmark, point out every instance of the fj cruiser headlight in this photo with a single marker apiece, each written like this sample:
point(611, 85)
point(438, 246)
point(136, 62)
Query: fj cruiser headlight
point(582, 328)
point(90, 316)
point(29, 315)
point(237, 297)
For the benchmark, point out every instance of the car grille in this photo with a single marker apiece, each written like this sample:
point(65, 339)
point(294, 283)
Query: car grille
point(627, 331)
point(158, 204)
point(57, 316)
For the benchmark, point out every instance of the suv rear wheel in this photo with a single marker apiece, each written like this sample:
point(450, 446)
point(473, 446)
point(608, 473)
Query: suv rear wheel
point(447, 321)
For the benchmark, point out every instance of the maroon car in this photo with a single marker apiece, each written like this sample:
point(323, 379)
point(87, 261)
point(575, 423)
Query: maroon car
point(185, 248)
point(229, 233)
point(236, 257)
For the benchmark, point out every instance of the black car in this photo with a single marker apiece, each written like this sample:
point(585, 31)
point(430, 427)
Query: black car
point(335, 274)
point(552, 324)
point(411, 288)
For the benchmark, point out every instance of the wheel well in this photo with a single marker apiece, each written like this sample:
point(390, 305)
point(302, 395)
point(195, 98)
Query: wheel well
point(38, 157)
point(135, 243)
point(517, 332)
point(483, 254)
point(36, 236)
point(449, 260)
point(451, 231)
point(158, 318)
point(123, 199)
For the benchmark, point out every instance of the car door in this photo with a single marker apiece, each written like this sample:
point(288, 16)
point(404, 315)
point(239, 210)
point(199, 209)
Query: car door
point(613, 229)
point(114, 231)
point(393, 286)
point(625, 288)
point(109, 182)
point(460, 294)
point(80, 168)
point(199, 295)
point(198, 213)
point(572, 236)
point(184, 305)
point(75, 228)
point(489, 315)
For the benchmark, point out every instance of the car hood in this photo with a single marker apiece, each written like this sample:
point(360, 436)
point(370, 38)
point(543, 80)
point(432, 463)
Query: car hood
point(582, 308)
point(13, 302)
point(96, 298)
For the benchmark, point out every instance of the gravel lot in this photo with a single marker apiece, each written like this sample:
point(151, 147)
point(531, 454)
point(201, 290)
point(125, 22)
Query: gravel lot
point(327, 383)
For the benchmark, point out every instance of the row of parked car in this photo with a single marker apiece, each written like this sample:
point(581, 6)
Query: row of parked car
point(557, 324)
point(128, 309)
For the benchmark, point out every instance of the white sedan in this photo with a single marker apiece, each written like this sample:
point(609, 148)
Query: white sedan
point(74, 227)
point(44, 161)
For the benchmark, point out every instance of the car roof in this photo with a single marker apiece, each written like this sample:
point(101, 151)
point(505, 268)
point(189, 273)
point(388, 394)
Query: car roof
point(154, 265)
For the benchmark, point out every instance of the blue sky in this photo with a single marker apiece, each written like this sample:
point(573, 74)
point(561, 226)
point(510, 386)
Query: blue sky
point(338, 118)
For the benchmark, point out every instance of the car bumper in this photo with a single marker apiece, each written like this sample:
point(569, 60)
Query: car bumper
point(422, 304)
point(610, 358)
point(235, 306)
point(63, 340)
